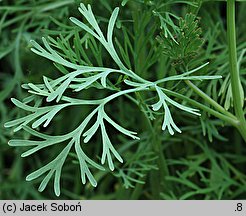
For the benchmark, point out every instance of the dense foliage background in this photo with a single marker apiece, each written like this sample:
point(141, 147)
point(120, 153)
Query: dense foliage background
point(206, 161)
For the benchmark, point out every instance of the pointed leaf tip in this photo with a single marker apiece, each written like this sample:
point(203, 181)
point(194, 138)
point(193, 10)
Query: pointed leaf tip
point(94, 184)
point(57, 192)
point(28, 178)
point(116, 10)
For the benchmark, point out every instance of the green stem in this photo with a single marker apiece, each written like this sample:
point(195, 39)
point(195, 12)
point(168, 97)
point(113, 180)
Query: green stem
point(138, 190)
point(234, 71)
point(157, 178)
point(208, 99)
point(230, 120)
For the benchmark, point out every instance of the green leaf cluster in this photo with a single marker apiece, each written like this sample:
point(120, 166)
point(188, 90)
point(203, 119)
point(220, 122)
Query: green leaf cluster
point(186, 42)
point(80, 78)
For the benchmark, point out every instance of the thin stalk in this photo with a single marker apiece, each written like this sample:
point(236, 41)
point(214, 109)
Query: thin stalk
point(227, 119)
point(138, 190)
point(234, 71)
point(208, 99)
point(158, 179)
